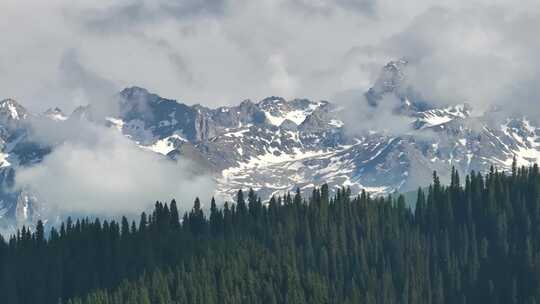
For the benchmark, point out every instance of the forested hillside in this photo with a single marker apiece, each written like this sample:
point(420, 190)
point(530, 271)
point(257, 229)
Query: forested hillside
point(473, 241)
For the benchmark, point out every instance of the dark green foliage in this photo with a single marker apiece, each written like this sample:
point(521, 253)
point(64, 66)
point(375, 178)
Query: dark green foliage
point(476, 243)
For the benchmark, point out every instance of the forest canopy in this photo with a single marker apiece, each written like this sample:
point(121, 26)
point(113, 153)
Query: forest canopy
point(475, 240)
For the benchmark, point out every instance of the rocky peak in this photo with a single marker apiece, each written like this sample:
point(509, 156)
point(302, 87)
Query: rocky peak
point(55, 114)
point(275, 104)
point(316, 121)
point(82, 113)
point(134, 92)
point(250, 113)
point(392, 82)
point(247, 105)
point(277, 109)
point(10, 109)
point(271, 101)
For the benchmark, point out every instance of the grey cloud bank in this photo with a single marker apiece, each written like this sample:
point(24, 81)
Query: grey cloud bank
point(221, 52)
point(96, 170)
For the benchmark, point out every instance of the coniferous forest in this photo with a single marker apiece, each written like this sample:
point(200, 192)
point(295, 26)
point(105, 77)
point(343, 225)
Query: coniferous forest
point(475, 240)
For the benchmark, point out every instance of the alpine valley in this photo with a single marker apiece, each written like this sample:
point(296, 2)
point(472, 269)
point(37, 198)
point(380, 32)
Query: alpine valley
point(277, 145)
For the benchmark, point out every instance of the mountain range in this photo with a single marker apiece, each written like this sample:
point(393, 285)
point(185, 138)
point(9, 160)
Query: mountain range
point(277, 145)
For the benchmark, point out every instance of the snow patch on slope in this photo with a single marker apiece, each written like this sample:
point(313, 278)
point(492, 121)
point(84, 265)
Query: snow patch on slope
point(276, 172)
point(166, 145)
point(438, 117)
point(4, 160)
point(527, 148)
point(55, 114)
point(13, 110)
point(116, 122)
point(281, 111)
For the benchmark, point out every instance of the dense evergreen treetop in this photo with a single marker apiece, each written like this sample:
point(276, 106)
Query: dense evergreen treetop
point(473, 241)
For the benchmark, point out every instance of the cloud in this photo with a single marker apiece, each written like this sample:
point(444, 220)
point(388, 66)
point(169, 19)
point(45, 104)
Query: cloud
point(217, 52)
point(361, 118)
point(281, 82)
point(95, 170)
point(128, 15)
point(208, 52)
point(87, 87)
point(483, 55)
point(327, 7)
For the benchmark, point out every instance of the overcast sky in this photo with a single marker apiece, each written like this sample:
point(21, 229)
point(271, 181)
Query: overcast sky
point(214, 52)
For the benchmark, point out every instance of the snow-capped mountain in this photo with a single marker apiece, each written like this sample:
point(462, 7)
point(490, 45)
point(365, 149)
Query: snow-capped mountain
point(277, 145)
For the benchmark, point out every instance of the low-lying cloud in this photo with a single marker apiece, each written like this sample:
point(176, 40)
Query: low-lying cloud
point(101, 172)
point(484, 55)
point(360, 117)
